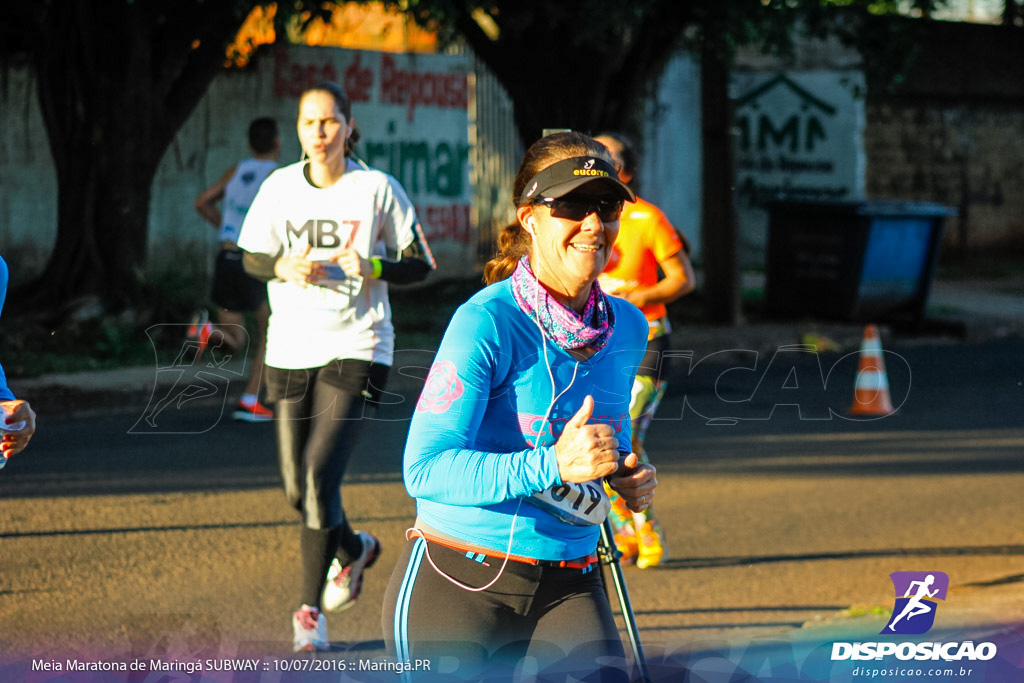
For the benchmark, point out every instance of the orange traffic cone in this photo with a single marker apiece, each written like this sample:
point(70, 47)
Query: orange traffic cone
point(871, 392)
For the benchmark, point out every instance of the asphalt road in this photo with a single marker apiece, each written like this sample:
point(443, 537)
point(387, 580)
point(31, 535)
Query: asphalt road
point(122, 538)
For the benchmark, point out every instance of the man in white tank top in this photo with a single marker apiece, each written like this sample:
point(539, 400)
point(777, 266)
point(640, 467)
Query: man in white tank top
point(235, 292)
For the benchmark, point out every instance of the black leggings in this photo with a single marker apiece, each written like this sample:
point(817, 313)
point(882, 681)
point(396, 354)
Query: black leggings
point(560, 617)
point(319, 415)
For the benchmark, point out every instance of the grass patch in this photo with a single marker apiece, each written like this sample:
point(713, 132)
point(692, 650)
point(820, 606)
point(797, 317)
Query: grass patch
point(142, 337)
point(172, 288)
point(865, 611)
point(101, 344)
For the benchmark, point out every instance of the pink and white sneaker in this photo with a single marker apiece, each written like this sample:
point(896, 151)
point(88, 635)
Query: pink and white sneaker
point(310, 630)
point(345, 583)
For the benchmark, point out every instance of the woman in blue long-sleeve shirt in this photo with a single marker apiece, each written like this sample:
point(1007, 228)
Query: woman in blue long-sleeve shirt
point(15, 411)
point(525, 410)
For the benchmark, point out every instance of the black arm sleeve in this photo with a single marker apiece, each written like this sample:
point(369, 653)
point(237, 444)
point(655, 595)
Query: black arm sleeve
point(259, 266)
point(412, 266)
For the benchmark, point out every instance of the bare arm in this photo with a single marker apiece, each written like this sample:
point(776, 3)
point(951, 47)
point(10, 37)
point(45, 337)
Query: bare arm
point(206, 203)
point(678, 281)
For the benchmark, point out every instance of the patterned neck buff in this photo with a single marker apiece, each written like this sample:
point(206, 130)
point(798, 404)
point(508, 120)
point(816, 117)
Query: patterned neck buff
point(567, 329)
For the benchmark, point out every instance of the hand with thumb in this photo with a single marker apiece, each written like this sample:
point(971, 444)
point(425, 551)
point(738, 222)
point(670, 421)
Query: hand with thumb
point(582, 416)
point(628, 464)
point(635, 481)
point(297, 269)
point(586, 451)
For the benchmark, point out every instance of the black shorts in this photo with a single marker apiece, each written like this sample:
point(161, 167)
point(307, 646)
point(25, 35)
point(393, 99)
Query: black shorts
point(233, 288)
point(358, 377)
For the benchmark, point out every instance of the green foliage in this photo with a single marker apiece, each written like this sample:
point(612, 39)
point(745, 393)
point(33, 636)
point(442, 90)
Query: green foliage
point(884, 33)
point(29, 350)
point(179, 279)
point(597, 58)
point(172, 288)
point(421, 327)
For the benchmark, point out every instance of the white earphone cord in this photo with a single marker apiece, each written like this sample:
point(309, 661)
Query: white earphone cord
point(545, 421)
point(501, 570)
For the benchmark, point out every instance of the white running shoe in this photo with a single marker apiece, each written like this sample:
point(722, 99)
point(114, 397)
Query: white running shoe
point(345, 583)
point(310, 629)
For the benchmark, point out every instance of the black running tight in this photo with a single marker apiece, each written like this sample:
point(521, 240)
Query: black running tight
point(319, 415)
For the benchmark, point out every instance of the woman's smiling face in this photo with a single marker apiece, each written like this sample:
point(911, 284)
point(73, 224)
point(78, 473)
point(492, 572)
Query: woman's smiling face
point(569, 254)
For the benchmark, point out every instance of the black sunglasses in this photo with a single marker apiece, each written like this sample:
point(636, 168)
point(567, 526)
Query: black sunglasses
point(576, 209)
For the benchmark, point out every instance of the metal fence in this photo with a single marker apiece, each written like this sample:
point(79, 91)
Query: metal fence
point(495, 154)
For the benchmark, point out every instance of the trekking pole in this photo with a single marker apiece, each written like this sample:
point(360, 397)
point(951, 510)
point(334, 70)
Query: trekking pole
point(609, 556)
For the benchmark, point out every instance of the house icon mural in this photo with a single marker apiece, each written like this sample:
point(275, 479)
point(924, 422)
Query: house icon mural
point(798, 136)
point(801, 127)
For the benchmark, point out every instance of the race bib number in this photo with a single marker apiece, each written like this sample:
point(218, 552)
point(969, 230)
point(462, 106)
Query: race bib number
point(578, 504)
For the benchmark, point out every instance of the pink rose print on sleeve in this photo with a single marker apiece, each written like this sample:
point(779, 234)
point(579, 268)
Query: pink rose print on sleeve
point(441, 388)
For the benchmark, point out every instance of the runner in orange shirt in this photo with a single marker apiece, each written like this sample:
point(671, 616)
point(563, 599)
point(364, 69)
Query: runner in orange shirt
point(647, 243)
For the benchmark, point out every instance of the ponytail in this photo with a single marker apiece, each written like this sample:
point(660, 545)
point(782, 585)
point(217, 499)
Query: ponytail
point(513, 244)
point(350, 143)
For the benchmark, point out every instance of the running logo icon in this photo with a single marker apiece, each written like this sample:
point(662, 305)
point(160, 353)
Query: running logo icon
point(917, 594)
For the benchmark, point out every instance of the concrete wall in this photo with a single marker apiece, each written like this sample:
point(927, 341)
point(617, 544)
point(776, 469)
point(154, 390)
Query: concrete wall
point(670, 169)
point(28, 184)
point(417, 133)
point(952, 134)
point(798, 136)
point(967, 157)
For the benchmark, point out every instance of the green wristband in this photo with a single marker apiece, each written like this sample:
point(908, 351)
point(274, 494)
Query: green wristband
point(377, 268)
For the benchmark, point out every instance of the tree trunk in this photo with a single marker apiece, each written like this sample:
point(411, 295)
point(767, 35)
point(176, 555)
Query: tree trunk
point(584, 103)
point(102, 212)
point(106, 145)
point(125, 78)
point(1013, 13)
point(719, 232)
point(558, 80)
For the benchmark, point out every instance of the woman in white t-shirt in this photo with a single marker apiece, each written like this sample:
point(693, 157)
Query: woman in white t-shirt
point(328, 234)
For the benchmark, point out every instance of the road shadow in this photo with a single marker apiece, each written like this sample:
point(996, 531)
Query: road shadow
point(197, 448)
point(958, 412)
point(748, 560)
